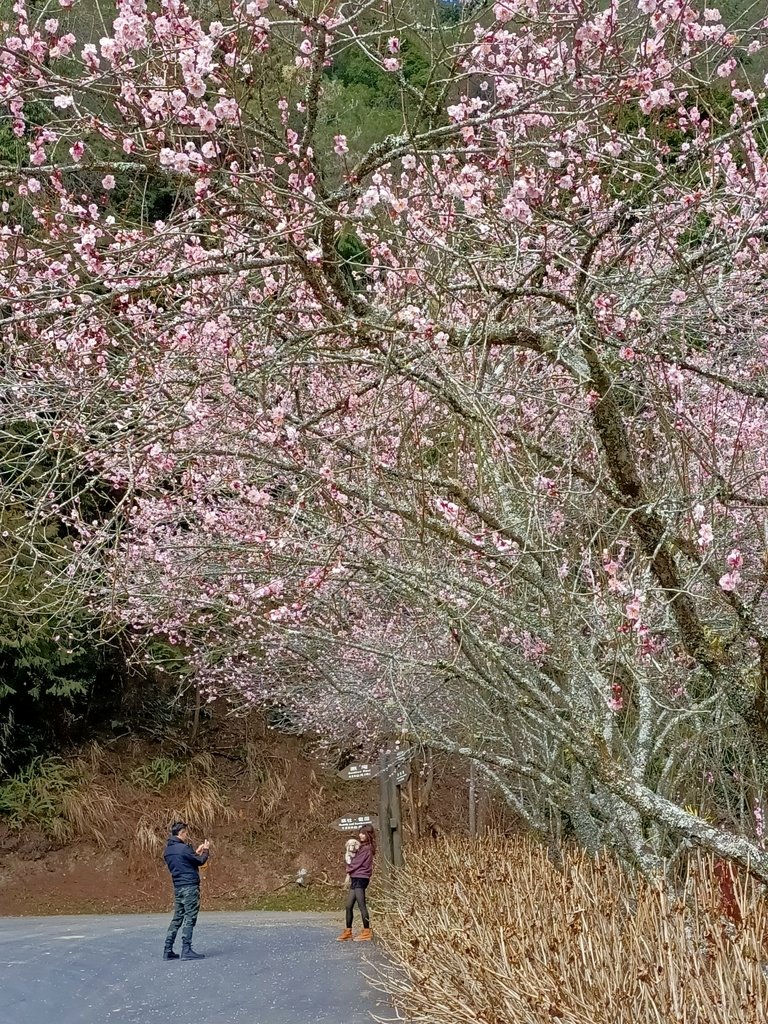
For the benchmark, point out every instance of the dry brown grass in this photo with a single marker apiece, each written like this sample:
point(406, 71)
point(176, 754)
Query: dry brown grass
point(204, 805)
point(90, 811)
point(149, 838)
point(195, 797)
point(270, 791)
point(493, 933)
point(270, 797)
point(316, 796)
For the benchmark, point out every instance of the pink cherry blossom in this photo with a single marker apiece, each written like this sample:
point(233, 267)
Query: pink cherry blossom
point(479, 479)
point(505, 10)
point(226, 109)
point(206, 119)
point(706, 535)
point(730, 581)
point(735, 559)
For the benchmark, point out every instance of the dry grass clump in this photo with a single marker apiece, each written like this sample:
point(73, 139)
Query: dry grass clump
point(204, 805)
point(58, 797)
point(149, 838)
point(493, 933)
point(269, 800)
point(90, 810)
point(269, 788)
point(204, 800)
point(199, 800)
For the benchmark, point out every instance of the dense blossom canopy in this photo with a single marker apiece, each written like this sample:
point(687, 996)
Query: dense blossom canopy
point(462, 434)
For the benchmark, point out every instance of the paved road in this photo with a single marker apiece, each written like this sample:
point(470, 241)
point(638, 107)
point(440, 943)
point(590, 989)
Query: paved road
point(260, 968)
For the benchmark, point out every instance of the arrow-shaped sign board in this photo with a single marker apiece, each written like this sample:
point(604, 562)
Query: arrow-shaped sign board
point(359, 772)
point(354, 822)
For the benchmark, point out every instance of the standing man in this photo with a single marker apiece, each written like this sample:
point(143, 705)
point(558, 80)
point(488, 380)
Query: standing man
point(184, 864)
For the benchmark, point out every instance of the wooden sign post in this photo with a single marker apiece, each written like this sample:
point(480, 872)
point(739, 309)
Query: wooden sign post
point(385, 812)
point(392, 771)
point(396, 819)
point(354, 822)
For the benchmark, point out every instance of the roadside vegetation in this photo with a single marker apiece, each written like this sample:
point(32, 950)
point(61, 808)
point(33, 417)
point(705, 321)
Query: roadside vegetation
point(85, 831)
point(80, 798)
point(58, 797)
point(495, 931)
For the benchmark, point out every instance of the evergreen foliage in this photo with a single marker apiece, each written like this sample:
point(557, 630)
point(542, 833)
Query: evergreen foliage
point(52, 658)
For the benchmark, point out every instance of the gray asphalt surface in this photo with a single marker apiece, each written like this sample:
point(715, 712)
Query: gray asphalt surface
point(263, 968)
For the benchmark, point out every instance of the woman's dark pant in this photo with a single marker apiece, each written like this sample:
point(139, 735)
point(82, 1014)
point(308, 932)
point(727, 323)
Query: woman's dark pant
point(185, 909)
point(356, 894)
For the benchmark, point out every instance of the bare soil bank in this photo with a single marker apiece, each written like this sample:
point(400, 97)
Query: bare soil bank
point(280, 802)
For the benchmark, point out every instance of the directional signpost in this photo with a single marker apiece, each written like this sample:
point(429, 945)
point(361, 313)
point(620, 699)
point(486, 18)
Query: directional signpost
point(392, 771)
point(359, 772)
point(354, 822)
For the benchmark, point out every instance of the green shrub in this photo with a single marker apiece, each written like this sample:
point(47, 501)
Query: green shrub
point(58, 798)
point(34, 796)
point(157, 773)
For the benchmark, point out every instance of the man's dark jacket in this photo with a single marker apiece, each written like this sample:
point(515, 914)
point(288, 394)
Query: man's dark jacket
point(183, 862)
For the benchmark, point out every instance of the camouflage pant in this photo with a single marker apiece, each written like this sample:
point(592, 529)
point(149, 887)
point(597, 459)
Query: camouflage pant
point(186, 906)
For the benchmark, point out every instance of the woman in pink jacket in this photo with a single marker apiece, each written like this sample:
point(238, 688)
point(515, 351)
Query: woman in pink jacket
point(360, 869)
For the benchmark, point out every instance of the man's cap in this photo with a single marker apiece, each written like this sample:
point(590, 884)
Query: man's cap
point(178, 826)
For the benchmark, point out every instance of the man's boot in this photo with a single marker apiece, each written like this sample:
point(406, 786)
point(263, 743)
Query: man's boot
point(187, 953)
point(168, 953)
